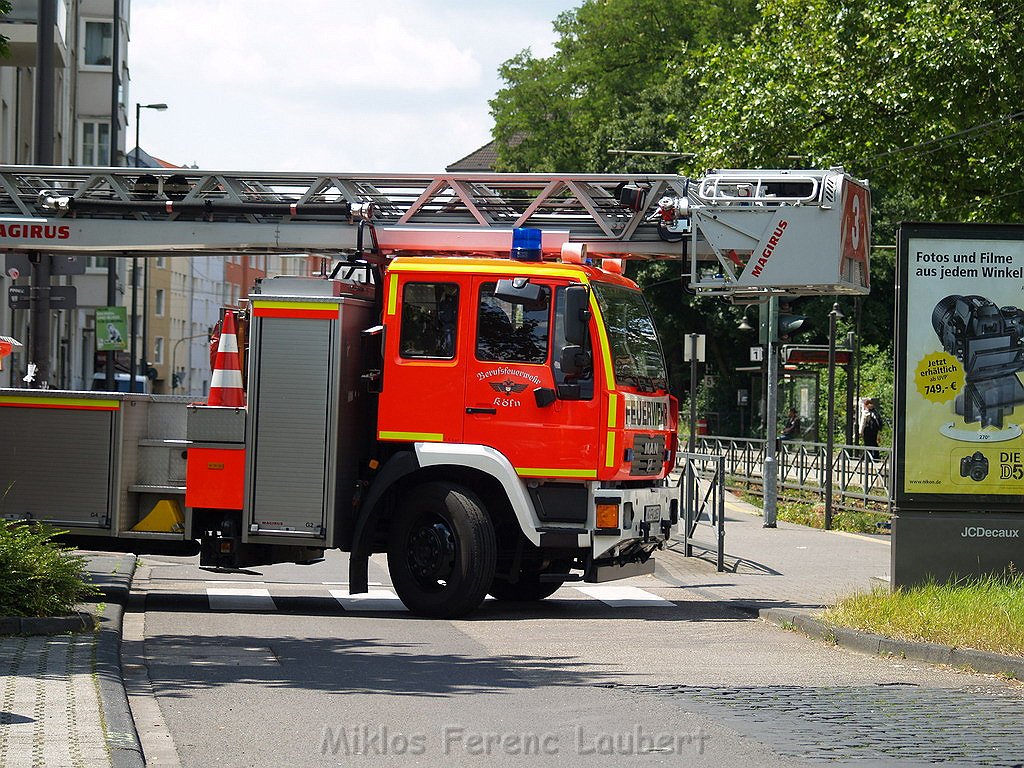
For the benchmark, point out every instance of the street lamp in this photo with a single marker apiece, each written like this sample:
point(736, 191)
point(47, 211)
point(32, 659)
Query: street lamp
point(138, 116)
point(174, 356)
point(145, 277)
point(834, 315)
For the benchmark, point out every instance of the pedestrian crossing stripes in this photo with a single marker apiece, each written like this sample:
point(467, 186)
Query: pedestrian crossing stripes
point(240, 599)
point(260, 597)
point(372, 600)
point(625, 597)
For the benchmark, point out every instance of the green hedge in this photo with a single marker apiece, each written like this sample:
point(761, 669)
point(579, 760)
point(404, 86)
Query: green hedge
point(38, 577)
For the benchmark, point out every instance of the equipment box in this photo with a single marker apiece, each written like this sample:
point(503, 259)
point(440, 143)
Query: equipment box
point(216, 424)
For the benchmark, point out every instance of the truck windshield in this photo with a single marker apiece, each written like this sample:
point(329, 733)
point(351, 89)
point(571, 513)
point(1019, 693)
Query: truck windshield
point(636, 351)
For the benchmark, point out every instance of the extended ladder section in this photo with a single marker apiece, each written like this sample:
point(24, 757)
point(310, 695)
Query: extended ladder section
point(727, 218)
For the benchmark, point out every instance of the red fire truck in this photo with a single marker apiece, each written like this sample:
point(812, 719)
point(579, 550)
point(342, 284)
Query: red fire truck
point(492, 413)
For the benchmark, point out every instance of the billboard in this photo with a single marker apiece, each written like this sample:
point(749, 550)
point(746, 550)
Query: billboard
point(111, 329)
point(959, 355)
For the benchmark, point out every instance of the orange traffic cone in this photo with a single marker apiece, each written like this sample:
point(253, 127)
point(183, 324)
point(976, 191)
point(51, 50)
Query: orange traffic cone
point(226, 385)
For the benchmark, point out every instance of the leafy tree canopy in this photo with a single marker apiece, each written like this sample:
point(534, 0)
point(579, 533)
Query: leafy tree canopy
point(925, 99)
point(922, 98)
point(5, 8)
point(601, 89)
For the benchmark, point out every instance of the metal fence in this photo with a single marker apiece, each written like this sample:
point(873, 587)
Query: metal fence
point(703, 496)
point(857, 474)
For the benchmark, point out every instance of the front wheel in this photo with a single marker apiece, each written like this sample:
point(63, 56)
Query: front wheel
point(442, 551)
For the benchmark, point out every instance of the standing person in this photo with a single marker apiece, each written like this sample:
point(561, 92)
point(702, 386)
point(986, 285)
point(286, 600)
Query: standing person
point(791, 430)
point(870, 425)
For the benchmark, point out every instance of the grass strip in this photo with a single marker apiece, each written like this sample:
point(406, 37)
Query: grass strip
point(986, 613)
point(810, 511)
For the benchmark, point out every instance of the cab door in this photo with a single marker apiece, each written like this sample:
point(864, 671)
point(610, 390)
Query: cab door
point(424, 374)
point(512, 380)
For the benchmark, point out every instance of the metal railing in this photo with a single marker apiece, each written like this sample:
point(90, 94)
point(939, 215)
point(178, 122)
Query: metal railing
point(703, 497)
point(858, 473)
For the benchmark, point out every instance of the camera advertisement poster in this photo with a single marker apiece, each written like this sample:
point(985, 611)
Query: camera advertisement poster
point(960, 356)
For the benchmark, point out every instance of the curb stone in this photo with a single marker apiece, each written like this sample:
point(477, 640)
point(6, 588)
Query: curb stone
point(121, 734)
point(870, 643)
point(115, 587)
point(80, 621)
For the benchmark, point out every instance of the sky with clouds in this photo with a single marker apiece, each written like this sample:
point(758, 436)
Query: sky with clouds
point(398, 86)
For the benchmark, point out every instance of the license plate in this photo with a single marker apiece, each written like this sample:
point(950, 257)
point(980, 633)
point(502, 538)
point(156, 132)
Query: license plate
point(652, 513)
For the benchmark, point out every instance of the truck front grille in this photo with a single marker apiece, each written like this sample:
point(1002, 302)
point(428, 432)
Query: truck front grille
point(648, 455)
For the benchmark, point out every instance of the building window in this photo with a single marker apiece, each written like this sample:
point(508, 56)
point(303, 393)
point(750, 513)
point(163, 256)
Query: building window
point(95, 146)
point(158, 350)
point(98, 50)
point(160, 302)
point(161, 262)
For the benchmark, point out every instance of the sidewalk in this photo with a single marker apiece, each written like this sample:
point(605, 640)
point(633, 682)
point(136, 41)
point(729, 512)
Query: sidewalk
point(62, 701)
point(791, 566)
point(784, 574)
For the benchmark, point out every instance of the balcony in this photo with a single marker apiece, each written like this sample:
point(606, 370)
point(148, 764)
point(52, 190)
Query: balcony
point(19, 26)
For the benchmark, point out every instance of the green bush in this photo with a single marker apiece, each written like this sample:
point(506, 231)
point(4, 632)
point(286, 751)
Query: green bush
point(38, 577)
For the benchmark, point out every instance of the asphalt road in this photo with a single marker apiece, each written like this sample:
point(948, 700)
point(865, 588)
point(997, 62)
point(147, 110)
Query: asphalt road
point(281, 667)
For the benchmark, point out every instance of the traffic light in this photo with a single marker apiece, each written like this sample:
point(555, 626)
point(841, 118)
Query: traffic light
point(789, 325)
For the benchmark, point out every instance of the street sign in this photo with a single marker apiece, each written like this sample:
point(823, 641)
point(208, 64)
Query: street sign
point(60, 264)
point(17, 297)
point(812, 353)
point(61, 297)
point(689, 345)
point(111, 329)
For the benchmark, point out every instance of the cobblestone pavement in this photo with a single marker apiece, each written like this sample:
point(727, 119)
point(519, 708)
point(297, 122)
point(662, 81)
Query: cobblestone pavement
point(49, 686)
point(883, 724)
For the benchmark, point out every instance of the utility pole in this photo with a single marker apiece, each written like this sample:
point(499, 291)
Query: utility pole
point(115, 124)
point(771, 467)
point(39, 294)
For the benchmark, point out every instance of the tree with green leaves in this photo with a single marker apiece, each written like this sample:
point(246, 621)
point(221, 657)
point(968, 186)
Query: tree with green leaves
point(602, 88)
point(921, 98)
point(5, 50)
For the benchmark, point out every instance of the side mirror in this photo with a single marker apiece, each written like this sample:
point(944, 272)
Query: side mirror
point(517, 290)
point(573, 361)
point(577, 315)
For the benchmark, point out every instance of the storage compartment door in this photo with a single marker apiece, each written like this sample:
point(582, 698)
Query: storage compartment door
point(292, 394)
point(56, 464)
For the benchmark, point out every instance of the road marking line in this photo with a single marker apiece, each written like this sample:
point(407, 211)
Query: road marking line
point(224, 599)
point(624, 597)
point(373, 600)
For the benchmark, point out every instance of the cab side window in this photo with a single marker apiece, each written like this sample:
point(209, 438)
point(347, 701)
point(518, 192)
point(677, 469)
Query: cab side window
point(585, 381)
point(430, 313)
point(512, 333)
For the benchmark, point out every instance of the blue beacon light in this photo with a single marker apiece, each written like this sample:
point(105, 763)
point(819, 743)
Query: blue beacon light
point(526, 244)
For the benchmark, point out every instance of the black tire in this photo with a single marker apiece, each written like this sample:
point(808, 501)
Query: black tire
point(442, 551)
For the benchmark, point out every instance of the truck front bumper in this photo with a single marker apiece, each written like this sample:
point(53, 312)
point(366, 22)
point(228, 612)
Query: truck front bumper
point(645, 520)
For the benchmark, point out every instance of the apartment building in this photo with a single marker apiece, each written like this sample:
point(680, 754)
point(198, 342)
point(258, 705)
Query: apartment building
point(85, 119)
